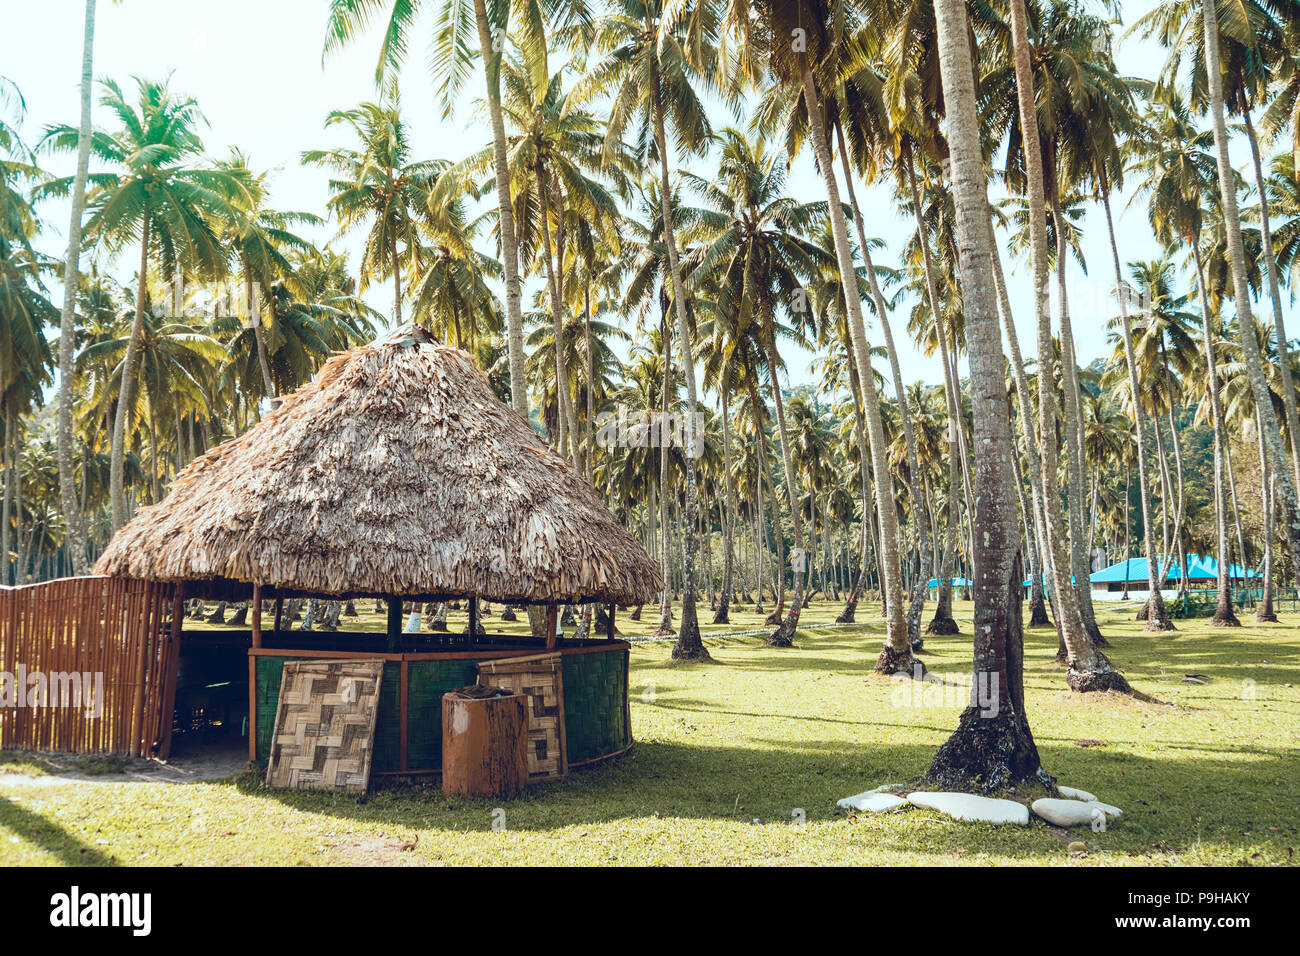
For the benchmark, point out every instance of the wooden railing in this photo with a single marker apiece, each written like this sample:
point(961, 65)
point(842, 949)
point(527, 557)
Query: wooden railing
point(87, 665)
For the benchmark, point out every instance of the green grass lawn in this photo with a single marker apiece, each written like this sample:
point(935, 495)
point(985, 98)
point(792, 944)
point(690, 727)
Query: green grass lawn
point(742, 760)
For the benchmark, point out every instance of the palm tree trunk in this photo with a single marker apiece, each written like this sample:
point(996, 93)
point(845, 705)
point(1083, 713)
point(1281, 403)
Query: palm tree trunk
point(73, 520)
point(1040, 556)
point(847, 615)
point(568, 435)
point(589, 457)
point(1088, 667)
point(688, 646)
point(1272, 435)
point(988, 751)
point(1275, 297)
point(721, 616)
point(783, 636)
point(6, 517)
point(491, 51)
point(117, 456)
point(1080, 565)
point(665, 627)
point(916, 605)
point(943, 622)
point(1223, 613)
point(397, 282)
point(1264, 613)
point(896, 656)
point(255, 316)
point(1156, 617)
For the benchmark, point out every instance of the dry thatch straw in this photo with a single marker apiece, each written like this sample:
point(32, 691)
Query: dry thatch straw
point(396, 471)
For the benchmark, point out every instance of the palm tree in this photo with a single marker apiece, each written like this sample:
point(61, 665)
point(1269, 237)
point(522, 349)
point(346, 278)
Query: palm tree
point(378, 184)
point(752, 240)
point(450, 293)
point(175, 363)
point(822, 39)
point(159, 193)
point(985, 752)
point(1039, 167)
point(452, 58)
point(1270, 431)
point(652, 80)
point(76, 530)
point(260, 241)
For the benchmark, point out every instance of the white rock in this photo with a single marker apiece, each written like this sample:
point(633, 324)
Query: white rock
point(968, 806)
point(872, 801)
point(1074, 794)
point(1073, 813)
point(1112, 813)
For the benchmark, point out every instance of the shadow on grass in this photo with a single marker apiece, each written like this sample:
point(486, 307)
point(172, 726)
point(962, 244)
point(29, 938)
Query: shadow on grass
point(1171, 805)
point(50, 837)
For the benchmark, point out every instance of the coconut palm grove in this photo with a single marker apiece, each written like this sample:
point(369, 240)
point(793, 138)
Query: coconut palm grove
point(930, 358)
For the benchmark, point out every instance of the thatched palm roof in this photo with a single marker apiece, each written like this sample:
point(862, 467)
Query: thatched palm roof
point(396, 471)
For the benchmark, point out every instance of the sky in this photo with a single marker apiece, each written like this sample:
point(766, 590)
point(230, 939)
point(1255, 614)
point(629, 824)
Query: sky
point(256, 69)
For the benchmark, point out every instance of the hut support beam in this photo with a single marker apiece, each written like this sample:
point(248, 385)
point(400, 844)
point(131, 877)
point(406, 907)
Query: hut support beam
point(609, 632)
point(550, 626)
point(473, 621)
point(257, 615)
point(279, 609)
point(394, 623)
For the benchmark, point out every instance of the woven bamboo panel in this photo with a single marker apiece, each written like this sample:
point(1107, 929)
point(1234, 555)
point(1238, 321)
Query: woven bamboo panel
point(539, 676)
point(325, 725)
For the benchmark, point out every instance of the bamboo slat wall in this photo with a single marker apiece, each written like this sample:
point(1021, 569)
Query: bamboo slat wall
point(117, 627)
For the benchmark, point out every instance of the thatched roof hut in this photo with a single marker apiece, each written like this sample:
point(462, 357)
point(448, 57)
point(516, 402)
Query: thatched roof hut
point(396, 471)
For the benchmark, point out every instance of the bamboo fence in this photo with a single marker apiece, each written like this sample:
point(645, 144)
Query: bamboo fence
point(119, 628)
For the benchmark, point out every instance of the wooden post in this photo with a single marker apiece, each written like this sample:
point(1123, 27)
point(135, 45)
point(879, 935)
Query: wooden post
point(550, 627)
point(394, 623)
point(173, 659)
point(257, 615)
point(252, 708)
point(473, 620)
point(609, 630)
point(279, 608)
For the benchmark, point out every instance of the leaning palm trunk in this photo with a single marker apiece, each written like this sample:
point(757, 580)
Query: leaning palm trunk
point(916, 605)
point(943, 622)
point(1272, 435)
point(1275, 297)
point(506, 219)
point(992, 748)
point(688, 646)
point(1080, 566)
point(6, 515)
point(1069, 622)
point(721, 616)
point(126, 392)
point(1156, 616)
point(259, 338)
point(1223, 614)
point(847, 616)
point(896, 656)
point(72, 517)
point(568, 421)
point(665, 628)
point(1040, 556)
point(1264, 613)
point(783, 636)
point(1088, 667)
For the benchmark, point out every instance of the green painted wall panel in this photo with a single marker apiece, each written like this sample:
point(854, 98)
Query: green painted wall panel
point(595, 690)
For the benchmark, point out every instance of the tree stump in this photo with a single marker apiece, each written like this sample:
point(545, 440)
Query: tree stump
point(484, 744)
